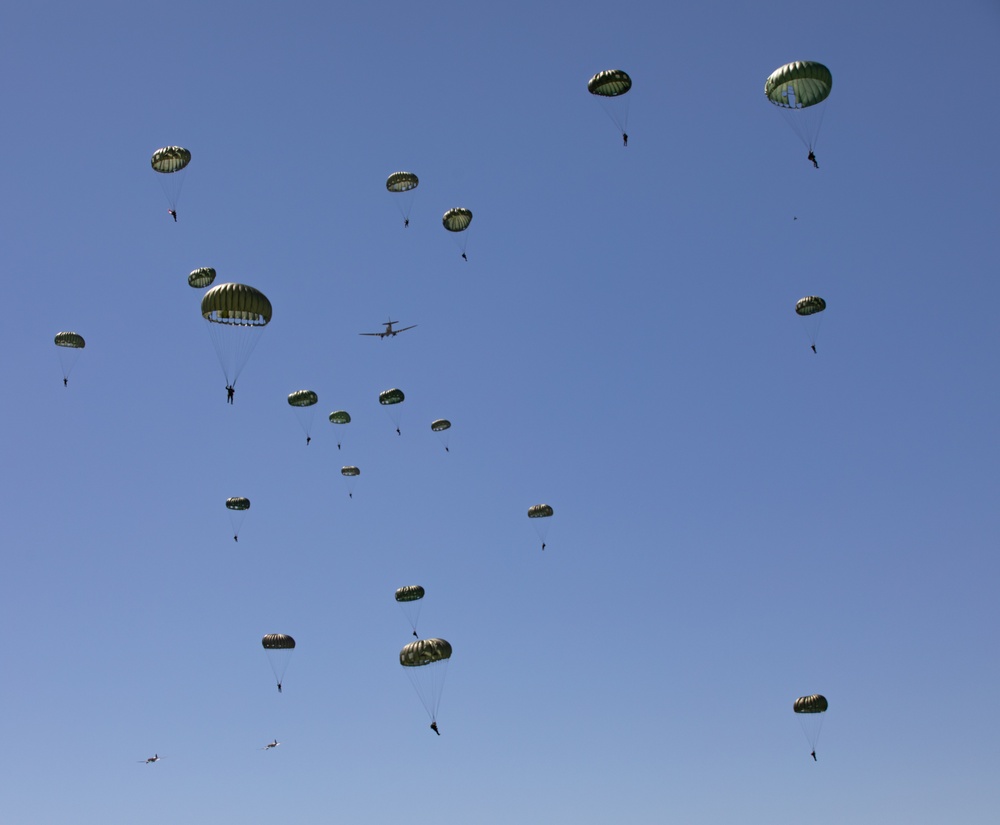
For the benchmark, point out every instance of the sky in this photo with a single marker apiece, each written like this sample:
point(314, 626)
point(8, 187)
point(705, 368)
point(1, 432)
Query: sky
point(738, 521)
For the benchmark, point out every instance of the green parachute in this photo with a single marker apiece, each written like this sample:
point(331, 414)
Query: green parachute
point(237, 506)
point(170, 162)
point(202, 277)
point(70, 344)
point(350, 474)
point(610, 86)
point(809, 309)
point(458, 220)
point(340, 417)
point(811, 710)
point(426, 663)
point(441, 427)
point(304, 402)
point(391, 399)
point(402, 185)
point(236, 315)
point(278, 647)
point(540, 515)
point(410, 599)
point(796, 88)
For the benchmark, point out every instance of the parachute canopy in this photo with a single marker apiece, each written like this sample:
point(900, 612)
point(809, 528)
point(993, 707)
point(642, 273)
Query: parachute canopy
point(424, 652)
point(350, 472)
point(401, 182)
point(237, 503)
point(798, 85)
point(811, 704)
point(277, 641)
point(440, 425)
point(809, 305)
point(340, 417)
point(302, 398)
point(457, 220)
point(540, 511)
point(393, 396)
point(611, 83)
point(73, 340)
point(409, 593)
point(170, 159)
point(200, 278)
point(236, 305)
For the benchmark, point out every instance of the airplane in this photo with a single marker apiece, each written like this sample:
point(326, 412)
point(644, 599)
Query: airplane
point(273, 744)
point(154, 758)
point(389, 331)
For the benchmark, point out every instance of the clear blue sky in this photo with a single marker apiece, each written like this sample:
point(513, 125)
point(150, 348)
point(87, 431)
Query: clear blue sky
point(738, 521)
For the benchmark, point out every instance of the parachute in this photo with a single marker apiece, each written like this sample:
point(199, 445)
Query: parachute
point(458, 220)
point(350, 474)
point(410, 600)
point(237, 506)
point(340, 417)
point(401, 183)
point(608, 86)
point(796, 88)
point(426, 663)
point(810, 710)
point(169, 161)
point(201, 278)
point(807, 308)
point(304, 401)
point(278, 647)
point(236, 315)
point(540, 514)
point(441, 427)
point(70, 344)
point(391, 399)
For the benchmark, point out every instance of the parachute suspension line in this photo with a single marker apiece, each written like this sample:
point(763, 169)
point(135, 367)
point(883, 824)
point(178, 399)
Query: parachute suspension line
point(612, 104)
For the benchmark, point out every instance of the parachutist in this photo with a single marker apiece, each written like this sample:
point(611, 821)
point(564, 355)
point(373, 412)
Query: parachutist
point(415, 636)
point(308, 439)
point(338, 445)
point(406, 222)
point(813, 347)
point(625, 138)
point(173, 214)
point(397, 431)
point(812, 157)
point(236, 538)
point(543, 545)
point(230, 393)
point(65, 382)
point(464, 258)
point(279, 687)
point(350, 495)
point(434, 727)
point(813, 755)
point(447, 450)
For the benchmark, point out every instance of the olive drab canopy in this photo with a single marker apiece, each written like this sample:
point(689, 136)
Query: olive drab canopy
point(237, 503)
point(424, 652)
point(540, 511)
point(278, 647)
point(170, 159)
point(72, 340)
point(796, 88)
point(611, 83)
point(340, 417)
point(457, 220)
point(236, 305)
point(302, 398)
point(798, 85)
point(350, 472)
point(389, 397)
point(401, 182)
point(440, 425)
point(811, 704)
point(236, 315)
point(238, 506)
point(201, 278)
point(70, 344)
point(409, 593)
point(809, 305)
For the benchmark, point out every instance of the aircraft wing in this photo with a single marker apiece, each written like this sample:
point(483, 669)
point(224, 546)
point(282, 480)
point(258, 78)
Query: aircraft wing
point(403, 329)
point(376, 334)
